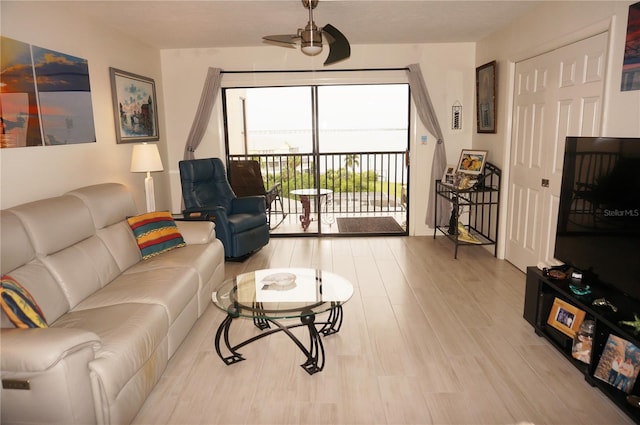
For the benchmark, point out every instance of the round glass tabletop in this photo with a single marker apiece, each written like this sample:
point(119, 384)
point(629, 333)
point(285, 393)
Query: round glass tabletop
point(282, 293)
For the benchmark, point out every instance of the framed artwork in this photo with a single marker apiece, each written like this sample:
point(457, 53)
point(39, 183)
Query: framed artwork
point(565, 317)
point(135, 107)
point(631, 62)
point(449, 174)
point(45, 97)
point(619, 363)
point(486, 97)
point(472, 162)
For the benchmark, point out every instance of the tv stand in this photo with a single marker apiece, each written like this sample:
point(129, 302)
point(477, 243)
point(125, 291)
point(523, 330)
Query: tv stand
point(540, 293)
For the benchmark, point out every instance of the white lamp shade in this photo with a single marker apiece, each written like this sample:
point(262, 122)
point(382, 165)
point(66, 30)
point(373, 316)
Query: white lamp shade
point(145, 158)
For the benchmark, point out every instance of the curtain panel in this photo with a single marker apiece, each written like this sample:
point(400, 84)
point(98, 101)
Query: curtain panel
point(203, 113)
point(427, 115)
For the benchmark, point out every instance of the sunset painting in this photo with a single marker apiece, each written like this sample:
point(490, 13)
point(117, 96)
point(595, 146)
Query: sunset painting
point(631, 64)
point(52, 109)
point(65, 97)
point(19, 124)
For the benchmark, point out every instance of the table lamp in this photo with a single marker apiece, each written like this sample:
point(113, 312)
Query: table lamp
point(145, 159)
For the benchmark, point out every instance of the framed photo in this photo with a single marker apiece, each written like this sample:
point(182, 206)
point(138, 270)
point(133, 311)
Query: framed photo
point(565, 317)
point(472, 162)
point(619, 363)
point(486, 97)
point(135, 107)
point(449, 174)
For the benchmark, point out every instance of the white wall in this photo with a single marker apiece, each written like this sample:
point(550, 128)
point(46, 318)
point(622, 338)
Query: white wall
point(448, 70)
point(32, 173)
point(548, 27)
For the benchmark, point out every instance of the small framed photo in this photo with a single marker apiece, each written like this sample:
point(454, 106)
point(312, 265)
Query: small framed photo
point(472, 162)
point(135, 107)
point(619, 363)
point(486, 97)
point(565, 317)
point(449, 174)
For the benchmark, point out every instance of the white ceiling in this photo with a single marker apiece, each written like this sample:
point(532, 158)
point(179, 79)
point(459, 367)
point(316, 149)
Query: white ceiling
point(213, 23)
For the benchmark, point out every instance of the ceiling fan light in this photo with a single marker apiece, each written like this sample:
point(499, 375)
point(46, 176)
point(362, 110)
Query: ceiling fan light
point(311, 39)
point(312, 50)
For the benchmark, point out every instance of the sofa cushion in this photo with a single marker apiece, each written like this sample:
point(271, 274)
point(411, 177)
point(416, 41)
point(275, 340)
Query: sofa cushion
point(155, 232)
point(55, 223)
point(15, 246)
point(19, 305)
point(129, 333)
point(109, 203)
point(204, 259)
point(82, 268)
point(172, 288)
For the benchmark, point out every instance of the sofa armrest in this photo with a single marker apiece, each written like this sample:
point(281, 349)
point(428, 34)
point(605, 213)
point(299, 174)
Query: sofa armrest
point(37, 350)
point(197, 232)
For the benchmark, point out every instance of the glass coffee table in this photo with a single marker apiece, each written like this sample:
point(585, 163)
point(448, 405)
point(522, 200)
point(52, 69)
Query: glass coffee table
point(272, 295)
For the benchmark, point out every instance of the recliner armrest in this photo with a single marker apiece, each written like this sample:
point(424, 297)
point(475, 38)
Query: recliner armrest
point(37, 350)
point(249, 204)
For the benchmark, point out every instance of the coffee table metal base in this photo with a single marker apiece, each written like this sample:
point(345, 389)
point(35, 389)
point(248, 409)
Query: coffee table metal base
point(314, 352)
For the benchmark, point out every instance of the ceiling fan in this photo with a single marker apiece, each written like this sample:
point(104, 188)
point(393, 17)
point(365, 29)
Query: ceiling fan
point(311, 38)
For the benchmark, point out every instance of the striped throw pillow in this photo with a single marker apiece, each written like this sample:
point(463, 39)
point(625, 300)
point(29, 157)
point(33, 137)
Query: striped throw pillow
point(19, 305)
point(155, 232)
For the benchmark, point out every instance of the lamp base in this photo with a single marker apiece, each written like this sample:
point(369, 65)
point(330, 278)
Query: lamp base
point(149, 193)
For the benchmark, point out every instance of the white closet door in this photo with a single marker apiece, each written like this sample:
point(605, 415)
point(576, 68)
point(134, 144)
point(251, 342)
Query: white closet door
point(557, 94)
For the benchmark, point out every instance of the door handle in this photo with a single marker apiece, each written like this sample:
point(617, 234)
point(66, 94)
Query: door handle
point(545, 183)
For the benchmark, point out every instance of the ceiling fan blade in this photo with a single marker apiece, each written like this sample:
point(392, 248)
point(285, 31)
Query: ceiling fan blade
point(284, 40)
point(339, 47)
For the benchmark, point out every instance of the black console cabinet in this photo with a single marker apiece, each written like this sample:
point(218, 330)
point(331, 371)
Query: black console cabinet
point(540, 293)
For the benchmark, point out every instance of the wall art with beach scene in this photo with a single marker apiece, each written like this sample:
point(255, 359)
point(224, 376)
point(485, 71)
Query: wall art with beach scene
point(45, 97)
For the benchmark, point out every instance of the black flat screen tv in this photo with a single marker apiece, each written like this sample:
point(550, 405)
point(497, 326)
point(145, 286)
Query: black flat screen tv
point(598, 230)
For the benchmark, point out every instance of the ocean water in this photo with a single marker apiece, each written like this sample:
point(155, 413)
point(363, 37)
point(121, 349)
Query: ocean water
point(340, 140)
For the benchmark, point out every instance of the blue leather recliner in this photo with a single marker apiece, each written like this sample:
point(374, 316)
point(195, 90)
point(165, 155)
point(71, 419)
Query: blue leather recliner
point(241, 223)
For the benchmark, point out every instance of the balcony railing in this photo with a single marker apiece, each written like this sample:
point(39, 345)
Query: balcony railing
point(362, 182)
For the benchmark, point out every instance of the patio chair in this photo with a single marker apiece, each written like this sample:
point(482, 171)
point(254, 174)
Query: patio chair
point(246, 179)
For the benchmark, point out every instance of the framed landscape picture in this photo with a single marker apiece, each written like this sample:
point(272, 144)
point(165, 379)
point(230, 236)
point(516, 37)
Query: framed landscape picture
point(486, 97)
point(135, 107)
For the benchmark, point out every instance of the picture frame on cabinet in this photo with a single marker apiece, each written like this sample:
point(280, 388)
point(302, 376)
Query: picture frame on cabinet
point(135, 107)
point(565, 317)
point(472, 162)
point(486, 97)
point(619, 363)
point(449, 174)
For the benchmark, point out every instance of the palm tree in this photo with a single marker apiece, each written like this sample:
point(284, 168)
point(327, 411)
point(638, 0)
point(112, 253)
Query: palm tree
point(352, 161)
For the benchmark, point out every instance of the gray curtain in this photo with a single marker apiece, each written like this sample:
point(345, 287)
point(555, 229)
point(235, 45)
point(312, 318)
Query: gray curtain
point(428, 117)
point(203, 114)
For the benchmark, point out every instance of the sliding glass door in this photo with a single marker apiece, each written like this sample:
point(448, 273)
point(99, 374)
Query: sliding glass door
point(337, 153)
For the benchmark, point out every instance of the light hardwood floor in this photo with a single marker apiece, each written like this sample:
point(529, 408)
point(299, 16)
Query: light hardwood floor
point(426, 339)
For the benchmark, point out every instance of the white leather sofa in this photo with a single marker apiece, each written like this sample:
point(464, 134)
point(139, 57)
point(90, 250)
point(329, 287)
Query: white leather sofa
point(114, 319)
